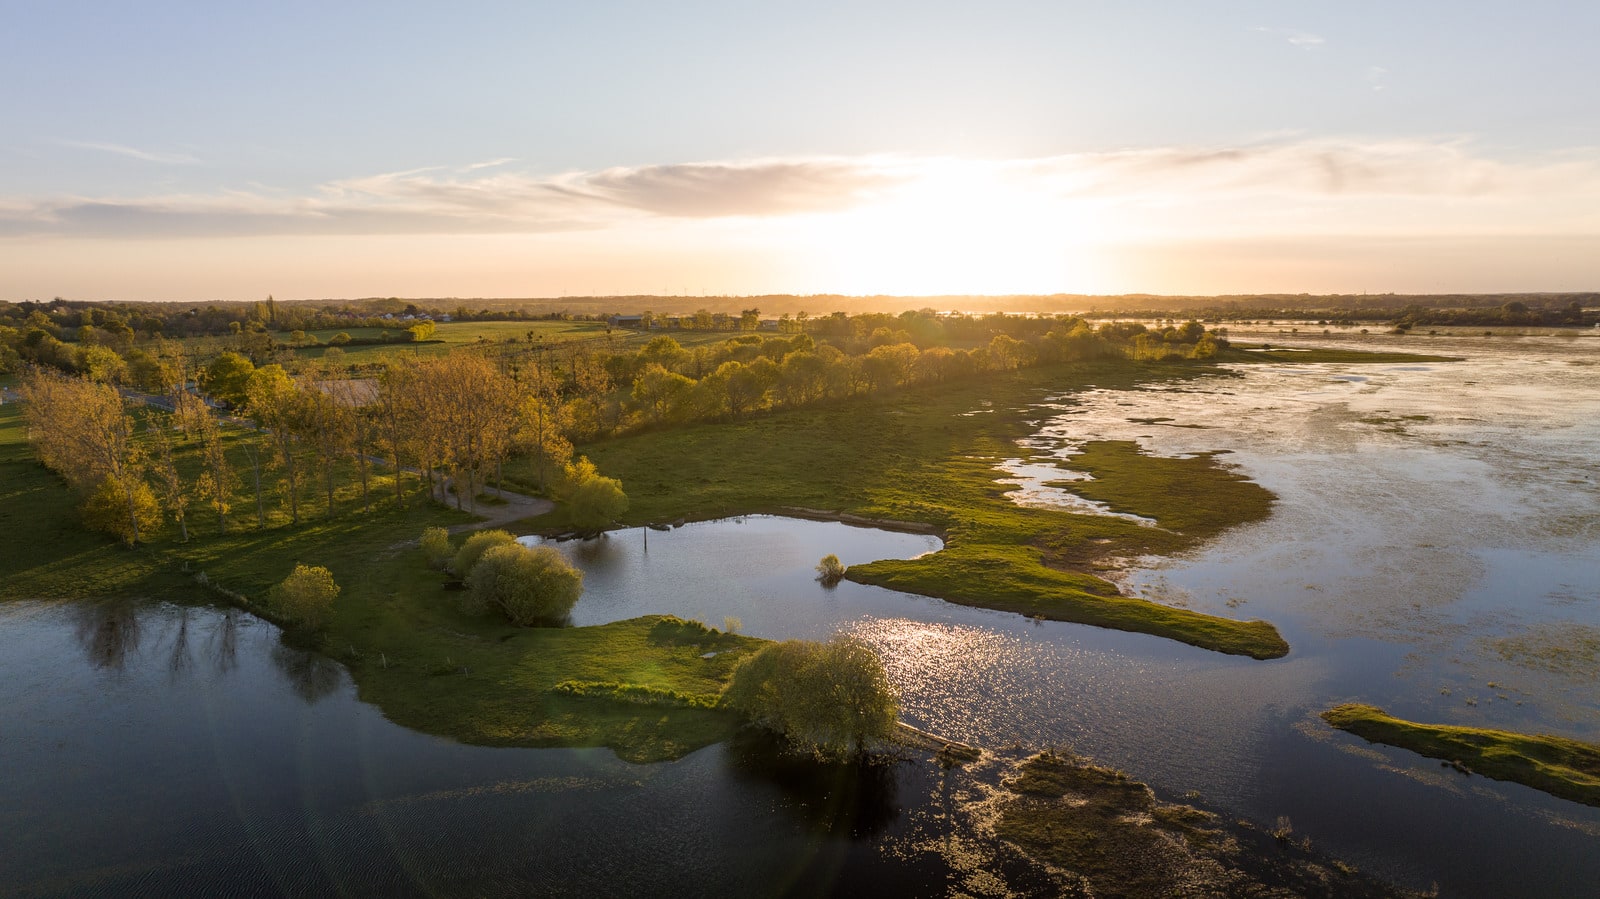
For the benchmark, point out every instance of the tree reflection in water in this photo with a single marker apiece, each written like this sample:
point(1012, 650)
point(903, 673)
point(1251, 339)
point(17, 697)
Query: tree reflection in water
point(179, 659)
point(222, 644)
point(108, 632)
point(858, 800)
point(310, 675)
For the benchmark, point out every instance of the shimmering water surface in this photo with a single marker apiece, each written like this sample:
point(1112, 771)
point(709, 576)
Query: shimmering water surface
point(1435, 550)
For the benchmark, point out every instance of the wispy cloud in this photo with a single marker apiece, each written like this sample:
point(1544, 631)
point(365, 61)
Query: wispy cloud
point(491, 164)
point(131, 152)
point(1305, 40)
point(1377, 77)
point(1318, 167)
point(1441, 184)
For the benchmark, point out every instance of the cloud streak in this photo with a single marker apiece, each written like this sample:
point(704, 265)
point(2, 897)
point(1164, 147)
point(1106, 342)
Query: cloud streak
point(1302, 39)
point(1442, 179)
point(131, 152)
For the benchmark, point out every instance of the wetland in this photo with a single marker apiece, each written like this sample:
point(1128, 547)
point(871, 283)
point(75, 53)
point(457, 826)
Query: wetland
point(1421, 536)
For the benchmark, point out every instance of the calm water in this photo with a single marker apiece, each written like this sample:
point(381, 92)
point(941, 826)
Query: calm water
point(157, 751)
point(1436, 533)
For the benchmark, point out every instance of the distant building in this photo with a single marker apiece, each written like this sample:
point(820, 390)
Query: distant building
point(627, 321)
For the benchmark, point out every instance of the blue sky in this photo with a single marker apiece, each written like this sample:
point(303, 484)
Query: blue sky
point(229, 150)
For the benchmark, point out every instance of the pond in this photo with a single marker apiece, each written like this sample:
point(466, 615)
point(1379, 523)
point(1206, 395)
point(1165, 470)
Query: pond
point(157, 750)
point(1434, 543)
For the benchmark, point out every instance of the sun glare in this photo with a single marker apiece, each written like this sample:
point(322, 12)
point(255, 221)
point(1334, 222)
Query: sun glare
point(955, 231)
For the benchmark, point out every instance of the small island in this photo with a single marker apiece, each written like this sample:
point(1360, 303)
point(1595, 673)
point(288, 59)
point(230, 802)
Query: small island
point(1557, 765)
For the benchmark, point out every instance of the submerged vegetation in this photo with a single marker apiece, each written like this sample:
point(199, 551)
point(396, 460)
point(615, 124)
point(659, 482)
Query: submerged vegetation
point(1557, 765)
point(1115, 838)
point(830, 570)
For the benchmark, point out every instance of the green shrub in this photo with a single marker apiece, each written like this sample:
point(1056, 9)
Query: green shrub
point(306, 596)
point(473, 549)
point(436, 547)
point(830, 698)
point(124, 507)
point(593, 500)
point(830, 570)
point(530, 585)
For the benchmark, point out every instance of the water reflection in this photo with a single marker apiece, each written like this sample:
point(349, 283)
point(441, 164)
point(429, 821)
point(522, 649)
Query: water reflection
point(179, 659)
point(109, 632)
point(760, 569)
point(858, 800)
point(222, 643)
point(310, 675)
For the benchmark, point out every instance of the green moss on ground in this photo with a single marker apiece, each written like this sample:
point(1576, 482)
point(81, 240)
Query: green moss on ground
point(929, 456)
point(1557, 765)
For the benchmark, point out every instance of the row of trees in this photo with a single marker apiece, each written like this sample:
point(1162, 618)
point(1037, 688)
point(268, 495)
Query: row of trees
point(586, 395)
point(450, 421)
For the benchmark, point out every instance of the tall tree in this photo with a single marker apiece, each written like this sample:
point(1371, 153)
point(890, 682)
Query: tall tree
point(277, 406)
point(217, 479)
point(326, 422)
point(172, 490)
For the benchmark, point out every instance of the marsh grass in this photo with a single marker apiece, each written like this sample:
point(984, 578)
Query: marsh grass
point(913, 456)
point(1244, 352)
point(1557, 765)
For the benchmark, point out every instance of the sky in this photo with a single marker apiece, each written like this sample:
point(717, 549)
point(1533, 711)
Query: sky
point(227, 150)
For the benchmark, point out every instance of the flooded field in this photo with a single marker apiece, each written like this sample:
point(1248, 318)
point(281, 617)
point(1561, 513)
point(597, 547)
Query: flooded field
point(1435, 550)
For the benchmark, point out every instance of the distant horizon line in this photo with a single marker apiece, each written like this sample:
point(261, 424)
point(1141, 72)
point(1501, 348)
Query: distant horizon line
point(841, 296)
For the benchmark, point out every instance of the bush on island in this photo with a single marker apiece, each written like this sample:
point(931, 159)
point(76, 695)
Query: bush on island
point(830, 570)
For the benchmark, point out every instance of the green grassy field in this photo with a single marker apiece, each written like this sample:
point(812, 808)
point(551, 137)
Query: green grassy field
point(917, 456)
point(412, 652)
point(1558, 766)
point(450, 335)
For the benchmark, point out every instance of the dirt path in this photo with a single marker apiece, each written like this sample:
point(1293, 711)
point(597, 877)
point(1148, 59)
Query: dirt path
point(516, 508)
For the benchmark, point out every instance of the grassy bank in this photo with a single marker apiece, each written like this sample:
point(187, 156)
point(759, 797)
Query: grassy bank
point(1248, 352)
point(639, 686)
point(928, 455)
point(1558, 766)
